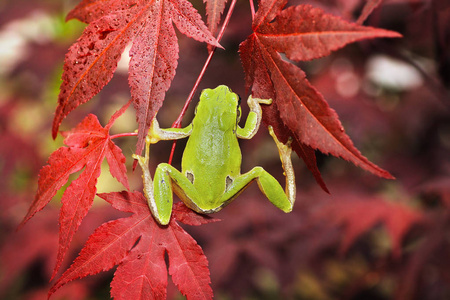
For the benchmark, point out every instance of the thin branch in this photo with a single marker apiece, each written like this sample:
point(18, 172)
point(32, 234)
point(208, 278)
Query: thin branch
point(252, 8)
point(123, 135)
point(177, 122)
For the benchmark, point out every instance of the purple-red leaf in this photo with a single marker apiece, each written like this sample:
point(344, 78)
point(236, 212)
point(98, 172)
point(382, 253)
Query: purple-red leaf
point(303, 109)
point(267, 11)
point(304, 33)
point(357, 217)
point(367, 10)
point(214, 9)
point(301, 33)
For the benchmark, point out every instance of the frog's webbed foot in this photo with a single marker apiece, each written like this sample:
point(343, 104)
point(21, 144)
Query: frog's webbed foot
point(254, 118)
point(155, 134)
point(146, 175)
point(285, 151)
point(254, 103)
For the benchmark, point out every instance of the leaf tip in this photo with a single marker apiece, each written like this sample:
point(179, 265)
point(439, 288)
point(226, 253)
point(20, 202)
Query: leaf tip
point(393, 34)
point(218, 45)
point(55, 126)
point(390, 176)
point(31, 212)
point(22, 224)
point(54, 132)
point(384, 174)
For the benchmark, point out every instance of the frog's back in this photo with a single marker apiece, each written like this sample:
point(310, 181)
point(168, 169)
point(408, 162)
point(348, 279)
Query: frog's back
point(212, 157)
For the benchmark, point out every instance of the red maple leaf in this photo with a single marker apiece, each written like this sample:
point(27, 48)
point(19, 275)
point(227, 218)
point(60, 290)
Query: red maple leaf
point(138, 245)
point(75, 291)
point(214, 9)
point(357, 217)
point(88, 145)
point(367, 10)
point(23, 249)
point(92, 60)
point(299, 110)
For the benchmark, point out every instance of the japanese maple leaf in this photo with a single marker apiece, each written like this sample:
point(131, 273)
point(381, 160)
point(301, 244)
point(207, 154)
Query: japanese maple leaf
point(113, 24)
point(214, 9)
point(367, 10)
point(24, 248)
point(358, 217)
point(301, 33)
point(139, 245)
point(88, 144)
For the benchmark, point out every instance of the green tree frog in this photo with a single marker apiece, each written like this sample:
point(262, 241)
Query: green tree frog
point(211, 164)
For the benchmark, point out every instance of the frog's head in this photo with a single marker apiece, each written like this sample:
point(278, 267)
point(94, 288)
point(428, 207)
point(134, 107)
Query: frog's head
point(219, 104)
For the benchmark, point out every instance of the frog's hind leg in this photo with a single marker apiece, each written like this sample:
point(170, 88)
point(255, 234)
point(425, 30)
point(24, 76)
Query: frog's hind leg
point(168, 180)
point(270, 187)
point(158, 190)
point(283, 199)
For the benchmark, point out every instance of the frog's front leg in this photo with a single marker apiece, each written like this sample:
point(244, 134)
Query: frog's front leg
point(254, 118)
point(156, 134)
point(161, 208)
point(271, 188)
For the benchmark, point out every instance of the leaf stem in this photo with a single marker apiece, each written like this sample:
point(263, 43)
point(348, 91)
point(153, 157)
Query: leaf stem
point(123, 135)
point(177, 123)
point(252, 8)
